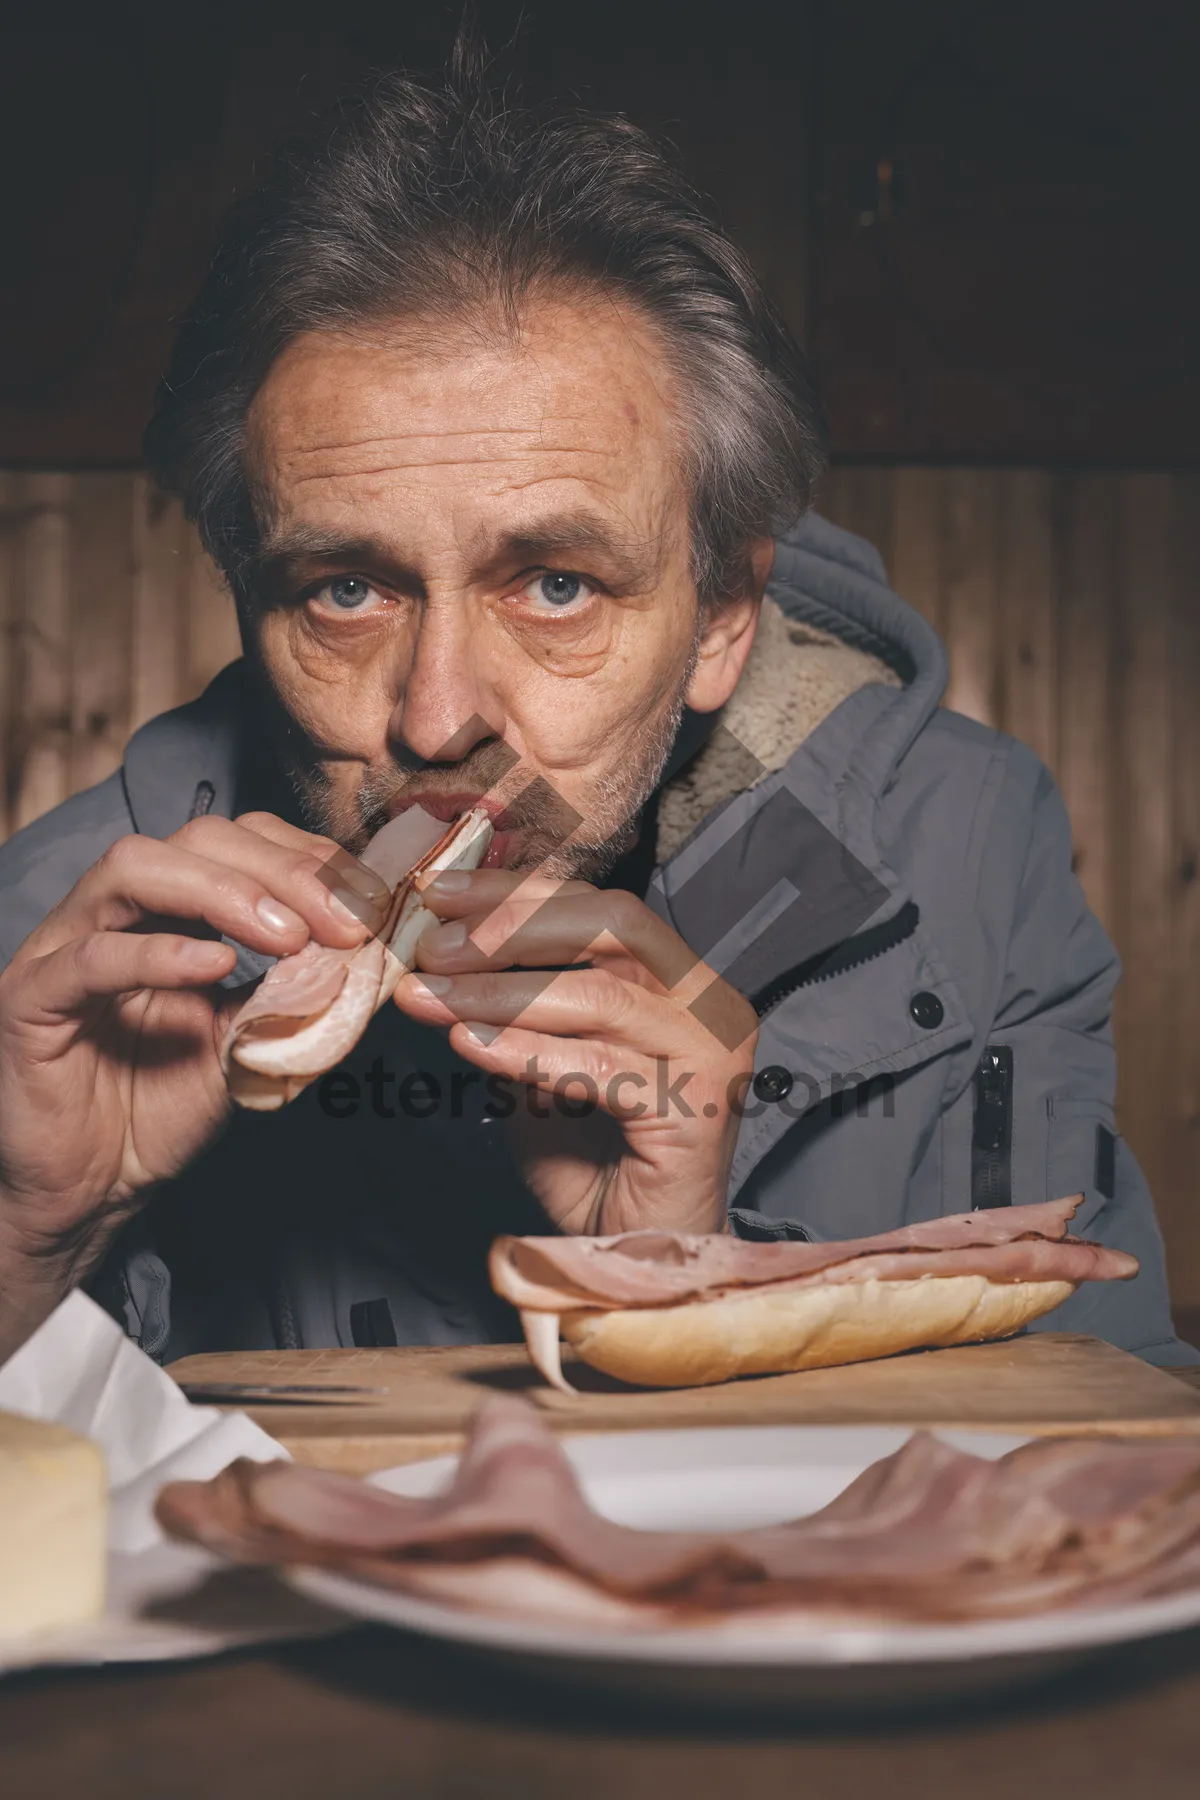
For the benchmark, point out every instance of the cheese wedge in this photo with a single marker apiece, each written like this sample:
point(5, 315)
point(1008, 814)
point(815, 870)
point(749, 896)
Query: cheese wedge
point(53, 1527)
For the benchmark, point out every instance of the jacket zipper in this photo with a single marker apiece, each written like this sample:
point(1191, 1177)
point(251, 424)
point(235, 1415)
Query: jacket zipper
point(991, 1135)
point(850, 954)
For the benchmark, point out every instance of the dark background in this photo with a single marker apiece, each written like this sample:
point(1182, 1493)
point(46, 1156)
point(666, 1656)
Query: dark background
point(978, 214)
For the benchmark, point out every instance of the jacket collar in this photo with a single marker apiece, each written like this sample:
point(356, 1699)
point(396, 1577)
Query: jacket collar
point(187, 761)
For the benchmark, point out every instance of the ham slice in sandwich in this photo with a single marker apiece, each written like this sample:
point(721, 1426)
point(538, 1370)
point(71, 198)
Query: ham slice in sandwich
point(310, 1010)
point(661, 1309)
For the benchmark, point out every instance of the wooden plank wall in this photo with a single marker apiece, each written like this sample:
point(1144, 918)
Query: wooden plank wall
point(1070, 603)
point(110, 613)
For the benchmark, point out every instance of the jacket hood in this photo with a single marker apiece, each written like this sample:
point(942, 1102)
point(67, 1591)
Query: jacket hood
point(837, 583)
point(796, 675)
point(787, 865)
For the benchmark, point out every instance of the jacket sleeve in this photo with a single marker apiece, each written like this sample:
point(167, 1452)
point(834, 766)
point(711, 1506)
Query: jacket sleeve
point(40, 864)
point(1054, 1014)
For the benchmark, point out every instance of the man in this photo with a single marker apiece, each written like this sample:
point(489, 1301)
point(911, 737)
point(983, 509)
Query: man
point(500, 446)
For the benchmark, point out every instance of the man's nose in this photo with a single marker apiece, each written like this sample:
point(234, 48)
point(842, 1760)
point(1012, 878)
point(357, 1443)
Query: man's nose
point(445, 707)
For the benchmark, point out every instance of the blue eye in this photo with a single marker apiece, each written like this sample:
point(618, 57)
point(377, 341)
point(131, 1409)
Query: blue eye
point(348, 593)
point(556, 589)
point(559, 590)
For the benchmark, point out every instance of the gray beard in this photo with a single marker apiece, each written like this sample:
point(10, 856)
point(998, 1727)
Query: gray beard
point(555, 844)
point(595, 848)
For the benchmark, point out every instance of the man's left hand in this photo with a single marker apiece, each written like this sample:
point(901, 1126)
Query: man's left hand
point(639, 1099)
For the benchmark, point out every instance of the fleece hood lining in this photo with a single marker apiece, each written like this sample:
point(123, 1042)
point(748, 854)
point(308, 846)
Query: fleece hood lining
point(796, 675)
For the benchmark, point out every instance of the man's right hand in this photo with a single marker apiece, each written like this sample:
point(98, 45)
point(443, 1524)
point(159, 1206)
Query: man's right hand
point(111, 1029)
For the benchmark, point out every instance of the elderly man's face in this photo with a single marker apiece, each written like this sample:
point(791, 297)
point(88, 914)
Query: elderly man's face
point(476, 572)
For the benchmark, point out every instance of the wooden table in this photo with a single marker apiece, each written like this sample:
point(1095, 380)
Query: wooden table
point(1046, 1382)
point(376, 1716)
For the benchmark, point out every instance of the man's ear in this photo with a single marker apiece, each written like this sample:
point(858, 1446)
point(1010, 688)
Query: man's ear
point(727, 635)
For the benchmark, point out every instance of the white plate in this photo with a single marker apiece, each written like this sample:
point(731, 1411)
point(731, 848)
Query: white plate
point(731, 1479)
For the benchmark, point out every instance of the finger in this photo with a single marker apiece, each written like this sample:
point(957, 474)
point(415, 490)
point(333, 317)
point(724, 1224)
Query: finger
point(454, 893)
point(529, 1056)
point(338, 867)
point(567, 1003)
point(581, 1075)
point(140, 879)
point(567, 927)
point(292, 837)
point(322, 875)
point(107, 963)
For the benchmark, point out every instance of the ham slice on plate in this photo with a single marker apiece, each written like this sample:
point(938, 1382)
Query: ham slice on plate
point(929, 1533)
point(310, 1010)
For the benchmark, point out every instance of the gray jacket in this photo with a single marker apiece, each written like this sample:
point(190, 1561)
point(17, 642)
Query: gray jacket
point(897, 899)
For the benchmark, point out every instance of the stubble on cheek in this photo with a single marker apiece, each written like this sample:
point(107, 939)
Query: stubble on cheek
point(619, 789)
point(564, 827)
point(313, 734)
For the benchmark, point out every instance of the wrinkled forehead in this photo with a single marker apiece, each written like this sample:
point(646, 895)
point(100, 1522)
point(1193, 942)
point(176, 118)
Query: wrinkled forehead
point(572, 404)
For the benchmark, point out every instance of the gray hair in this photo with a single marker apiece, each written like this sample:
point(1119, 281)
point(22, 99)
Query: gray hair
point(422, 202)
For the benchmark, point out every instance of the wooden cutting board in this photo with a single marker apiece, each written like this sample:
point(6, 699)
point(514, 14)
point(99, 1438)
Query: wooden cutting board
point(1045, 1383)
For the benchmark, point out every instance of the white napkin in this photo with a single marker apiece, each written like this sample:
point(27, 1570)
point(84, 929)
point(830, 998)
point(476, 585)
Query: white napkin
point(165, 1599)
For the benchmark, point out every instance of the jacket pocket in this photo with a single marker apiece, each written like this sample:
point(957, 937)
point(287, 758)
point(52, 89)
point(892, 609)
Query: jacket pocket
point(1081, 1148)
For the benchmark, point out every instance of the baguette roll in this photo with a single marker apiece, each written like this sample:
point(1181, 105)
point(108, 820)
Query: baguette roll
point(770, 1332)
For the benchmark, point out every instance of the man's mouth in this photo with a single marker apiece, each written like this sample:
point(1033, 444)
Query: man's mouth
point(449, 807)
point(446, 807)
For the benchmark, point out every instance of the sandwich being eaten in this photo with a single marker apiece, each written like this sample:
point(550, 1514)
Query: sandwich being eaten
point(661, 1309)
point(310, 1010)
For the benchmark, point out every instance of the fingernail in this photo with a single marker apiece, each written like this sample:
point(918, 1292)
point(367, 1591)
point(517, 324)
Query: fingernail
point(366, 911)
point(483, 1034)
point(277, 917)
point(450, 881)
point(449, 937)
point(436, 984)
point(203, 954)
point(361, 880)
